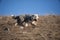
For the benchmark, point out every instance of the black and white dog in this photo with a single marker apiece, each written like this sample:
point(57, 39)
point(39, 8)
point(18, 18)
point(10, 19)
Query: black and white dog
point(27, 18)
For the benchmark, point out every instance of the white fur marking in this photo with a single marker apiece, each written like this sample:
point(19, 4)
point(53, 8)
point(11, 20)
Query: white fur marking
point(26, 24)
point(36, 16)
point(34, 22)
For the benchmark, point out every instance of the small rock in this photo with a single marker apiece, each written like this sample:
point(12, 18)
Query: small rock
point(21, 27)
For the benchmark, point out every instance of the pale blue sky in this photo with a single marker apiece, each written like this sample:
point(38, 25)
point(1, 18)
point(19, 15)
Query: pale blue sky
point(16, 7)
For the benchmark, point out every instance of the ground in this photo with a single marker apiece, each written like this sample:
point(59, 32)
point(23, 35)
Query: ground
point(47, 28)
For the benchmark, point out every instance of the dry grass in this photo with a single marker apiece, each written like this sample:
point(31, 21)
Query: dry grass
point(47, 28)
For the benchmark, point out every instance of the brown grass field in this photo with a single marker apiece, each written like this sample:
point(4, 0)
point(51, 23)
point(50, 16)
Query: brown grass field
point(47, 28)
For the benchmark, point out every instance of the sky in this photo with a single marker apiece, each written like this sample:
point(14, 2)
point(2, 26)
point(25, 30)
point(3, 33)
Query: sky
point(41, 7)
